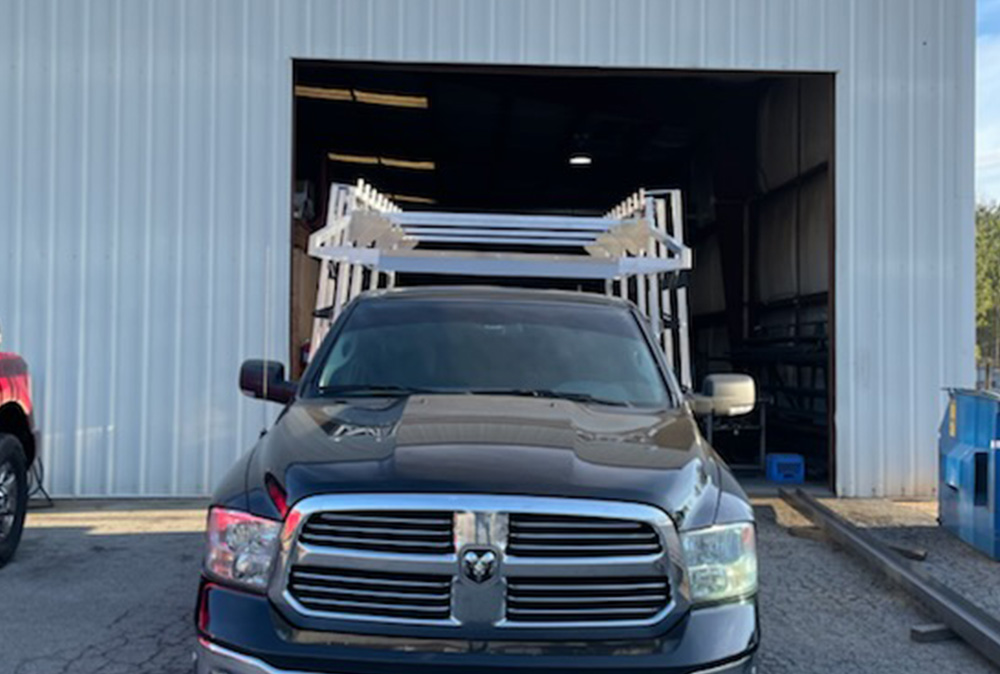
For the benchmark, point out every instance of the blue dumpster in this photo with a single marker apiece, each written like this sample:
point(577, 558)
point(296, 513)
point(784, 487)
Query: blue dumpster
point(969, 447)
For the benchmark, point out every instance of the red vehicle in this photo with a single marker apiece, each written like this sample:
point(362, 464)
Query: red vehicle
point(18, 449)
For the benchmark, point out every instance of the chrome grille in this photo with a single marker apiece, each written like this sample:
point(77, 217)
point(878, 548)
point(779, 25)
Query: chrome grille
point(354, 561)
point(418, 532)
point(370, 593)
point(571, 536)
point(586, 600)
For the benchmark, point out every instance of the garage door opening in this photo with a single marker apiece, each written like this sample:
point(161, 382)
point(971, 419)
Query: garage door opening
point(751, 152)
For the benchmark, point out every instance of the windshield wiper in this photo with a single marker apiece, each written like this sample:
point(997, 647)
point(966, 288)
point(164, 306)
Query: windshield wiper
point(550, 393)
point(373, 390)
point(389, 390)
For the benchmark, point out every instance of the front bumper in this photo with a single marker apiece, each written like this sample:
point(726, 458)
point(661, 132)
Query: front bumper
point(214, 659)
point(243, 634)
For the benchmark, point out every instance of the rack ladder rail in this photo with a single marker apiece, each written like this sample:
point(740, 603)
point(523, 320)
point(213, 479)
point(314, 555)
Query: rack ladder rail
point(667, 309)
point(367, 239)
point(341, 281)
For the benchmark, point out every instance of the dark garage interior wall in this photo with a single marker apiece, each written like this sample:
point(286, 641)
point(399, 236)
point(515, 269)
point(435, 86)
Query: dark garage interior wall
point(793, 298)
point(763, 306)
point(751, 152)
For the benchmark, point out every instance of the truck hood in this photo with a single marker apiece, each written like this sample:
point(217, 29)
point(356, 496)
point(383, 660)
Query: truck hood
point(488, 444)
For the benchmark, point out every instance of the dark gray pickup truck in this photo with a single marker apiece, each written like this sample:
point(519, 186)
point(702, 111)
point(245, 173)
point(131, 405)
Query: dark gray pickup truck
point(473, 480)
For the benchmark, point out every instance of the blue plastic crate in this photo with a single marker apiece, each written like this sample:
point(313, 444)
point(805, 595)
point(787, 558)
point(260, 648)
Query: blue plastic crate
point(786, 468)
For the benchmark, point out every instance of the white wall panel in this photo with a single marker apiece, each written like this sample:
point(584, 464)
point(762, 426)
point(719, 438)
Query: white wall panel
point(144, 197)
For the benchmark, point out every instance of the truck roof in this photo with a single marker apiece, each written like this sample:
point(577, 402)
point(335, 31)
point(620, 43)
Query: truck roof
point(494, 293)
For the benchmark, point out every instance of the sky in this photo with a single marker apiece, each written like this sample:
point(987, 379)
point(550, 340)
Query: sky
point(988, 101)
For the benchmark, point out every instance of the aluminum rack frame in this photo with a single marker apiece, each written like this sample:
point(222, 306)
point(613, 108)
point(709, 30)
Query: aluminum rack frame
point(637, 248)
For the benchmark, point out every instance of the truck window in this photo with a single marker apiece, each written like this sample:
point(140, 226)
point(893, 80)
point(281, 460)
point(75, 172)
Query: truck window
point(454, 346)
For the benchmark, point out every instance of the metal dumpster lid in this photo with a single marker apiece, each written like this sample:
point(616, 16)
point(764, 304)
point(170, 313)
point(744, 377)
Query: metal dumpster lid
point(978, 392)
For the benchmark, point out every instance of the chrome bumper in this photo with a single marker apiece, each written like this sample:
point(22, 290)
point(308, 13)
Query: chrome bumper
point(214, 659)
point(211, 658)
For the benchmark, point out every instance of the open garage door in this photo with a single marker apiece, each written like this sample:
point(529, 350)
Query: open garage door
point(751, 152)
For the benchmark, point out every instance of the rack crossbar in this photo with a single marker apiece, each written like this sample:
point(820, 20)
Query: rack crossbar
point(529, 265)
point(503, 221)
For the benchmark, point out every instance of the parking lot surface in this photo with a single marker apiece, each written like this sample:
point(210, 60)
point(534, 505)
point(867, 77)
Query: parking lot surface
point(109, 588)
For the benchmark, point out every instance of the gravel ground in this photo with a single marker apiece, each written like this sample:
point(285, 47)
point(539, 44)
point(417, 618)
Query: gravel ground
point(108, 588)
point(913, 524)
point(822, 610)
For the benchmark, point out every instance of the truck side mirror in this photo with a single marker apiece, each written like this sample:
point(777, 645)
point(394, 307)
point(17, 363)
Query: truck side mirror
point(265, 380)
point(725, 395)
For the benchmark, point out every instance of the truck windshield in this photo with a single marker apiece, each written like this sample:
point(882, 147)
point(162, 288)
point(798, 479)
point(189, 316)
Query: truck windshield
point(589, 353)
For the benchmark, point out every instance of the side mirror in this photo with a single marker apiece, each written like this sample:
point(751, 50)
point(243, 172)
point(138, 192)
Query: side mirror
point(725, 395)
point(265, 380)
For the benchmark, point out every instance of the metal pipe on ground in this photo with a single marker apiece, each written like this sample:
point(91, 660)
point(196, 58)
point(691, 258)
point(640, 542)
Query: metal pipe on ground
point(972, 624)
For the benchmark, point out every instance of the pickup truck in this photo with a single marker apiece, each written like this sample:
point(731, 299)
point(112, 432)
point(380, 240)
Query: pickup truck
point(17, 450)
point(477, 480)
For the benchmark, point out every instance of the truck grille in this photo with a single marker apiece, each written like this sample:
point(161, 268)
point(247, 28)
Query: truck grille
point(500, 566)
point(572, 536)
point(371, 593)
point(586, 600)
point(405, 532)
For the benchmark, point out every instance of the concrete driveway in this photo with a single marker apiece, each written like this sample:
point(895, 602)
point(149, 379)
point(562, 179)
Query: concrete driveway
point(109, 588)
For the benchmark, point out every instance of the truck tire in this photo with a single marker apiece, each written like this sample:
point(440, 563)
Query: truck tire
point(13, 495)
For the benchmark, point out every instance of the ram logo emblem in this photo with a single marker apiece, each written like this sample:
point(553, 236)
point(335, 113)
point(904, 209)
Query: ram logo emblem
point(479, 565)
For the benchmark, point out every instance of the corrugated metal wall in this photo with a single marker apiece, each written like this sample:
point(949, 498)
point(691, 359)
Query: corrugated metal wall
point(145, 186)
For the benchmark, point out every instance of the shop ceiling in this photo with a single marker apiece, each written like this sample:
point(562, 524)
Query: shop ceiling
point(523, 139)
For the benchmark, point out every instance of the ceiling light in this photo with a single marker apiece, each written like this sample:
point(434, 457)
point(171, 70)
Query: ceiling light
point(358, 96)
point(395, 100)
point(412, 199)
point(324, 94)
point(580, 159)
point(352, 158)
point(392, 162)
point(408, 164)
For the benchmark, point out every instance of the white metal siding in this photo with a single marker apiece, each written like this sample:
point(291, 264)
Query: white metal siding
point(144, 196)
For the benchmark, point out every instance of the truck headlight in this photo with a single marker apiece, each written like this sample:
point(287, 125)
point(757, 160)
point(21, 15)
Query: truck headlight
point(721, 562)
point(241, 548)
